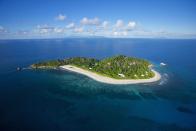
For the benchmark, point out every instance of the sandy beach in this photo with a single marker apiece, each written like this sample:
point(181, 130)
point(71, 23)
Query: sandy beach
point(109, 80)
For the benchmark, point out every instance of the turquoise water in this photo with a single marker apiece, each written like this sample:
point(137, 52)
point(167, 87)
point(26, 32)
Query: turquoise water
point(60, 100)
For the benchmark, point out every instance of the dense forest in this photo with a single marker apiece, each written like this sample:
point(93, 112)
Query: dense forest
point(119, 67)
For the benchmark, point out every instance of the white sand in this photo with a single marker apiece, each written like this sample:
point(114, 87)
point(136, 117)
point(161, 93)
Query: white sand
point(109, 80)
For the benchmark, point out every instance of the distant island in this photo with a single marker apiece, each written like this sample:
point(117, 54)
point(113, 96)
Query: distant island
point(113, 70)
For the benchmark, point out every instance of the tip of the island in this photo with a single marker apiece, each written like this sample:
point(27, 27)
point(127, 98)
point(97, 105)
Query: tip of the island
point(112, 70)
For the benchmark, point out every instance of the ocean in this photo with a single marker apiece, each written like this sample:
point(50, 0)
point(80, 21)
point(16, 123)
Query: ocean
point(59, 100)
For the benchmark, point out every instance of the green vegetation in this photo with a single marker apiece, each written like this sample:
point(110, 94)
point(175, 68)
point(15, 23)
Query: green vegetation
point(119, 67)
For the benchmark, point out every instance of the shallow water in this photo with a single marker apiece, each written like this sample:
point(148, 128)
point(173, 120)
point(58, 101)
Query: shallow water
point(60, 100)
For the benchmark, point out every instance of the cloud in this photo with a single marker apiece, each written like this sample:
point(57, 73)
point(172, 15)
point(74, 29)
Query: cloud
point(70, 26)
point(79, 29)
point(122, 29)
point(3, 30)
point(119, 23)
point(58, 30)
point(94, 27)
point(131, 25)
point(125, 33)
point(22, 32)
point(1, 27)
point(115, 33)
point(44, 29)
point(105, 24)
point(61, 17)
point(121, 33)
point(87, 21)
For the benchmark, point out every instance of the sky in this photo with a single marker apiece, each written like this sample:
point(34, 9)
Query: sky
point(29, 19)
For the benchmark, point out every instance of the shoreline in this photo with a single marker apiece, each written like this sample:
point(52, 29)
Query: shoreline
point(108, 80)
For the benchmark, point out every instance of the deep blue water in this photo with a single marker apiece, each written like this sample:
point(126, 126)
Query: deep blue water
point(60, 100)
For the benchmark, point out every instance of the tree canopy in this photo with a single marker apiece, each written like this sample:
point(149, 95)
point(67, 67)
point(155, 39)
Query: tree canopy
point(119, 67)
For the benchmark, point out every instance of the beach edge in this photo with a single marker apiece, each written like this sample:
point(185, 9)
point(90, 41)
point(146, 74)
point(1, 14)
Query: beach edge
point(108, 80)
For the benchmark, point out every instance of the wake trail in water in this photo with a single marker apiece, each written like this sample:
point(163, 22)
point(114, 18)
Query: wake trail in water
point(164, 79)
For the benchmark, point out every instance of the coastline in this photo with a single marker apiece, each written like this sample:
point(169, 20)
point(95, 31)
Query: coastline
point(109, 80)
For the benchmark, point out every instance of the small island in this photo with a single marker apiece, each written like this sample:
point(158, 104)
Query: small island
point(113, 70)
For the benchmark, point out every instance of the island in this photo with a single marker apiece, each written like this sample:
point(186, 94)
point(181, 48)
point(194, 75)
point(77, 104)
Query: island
point(118, 69)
